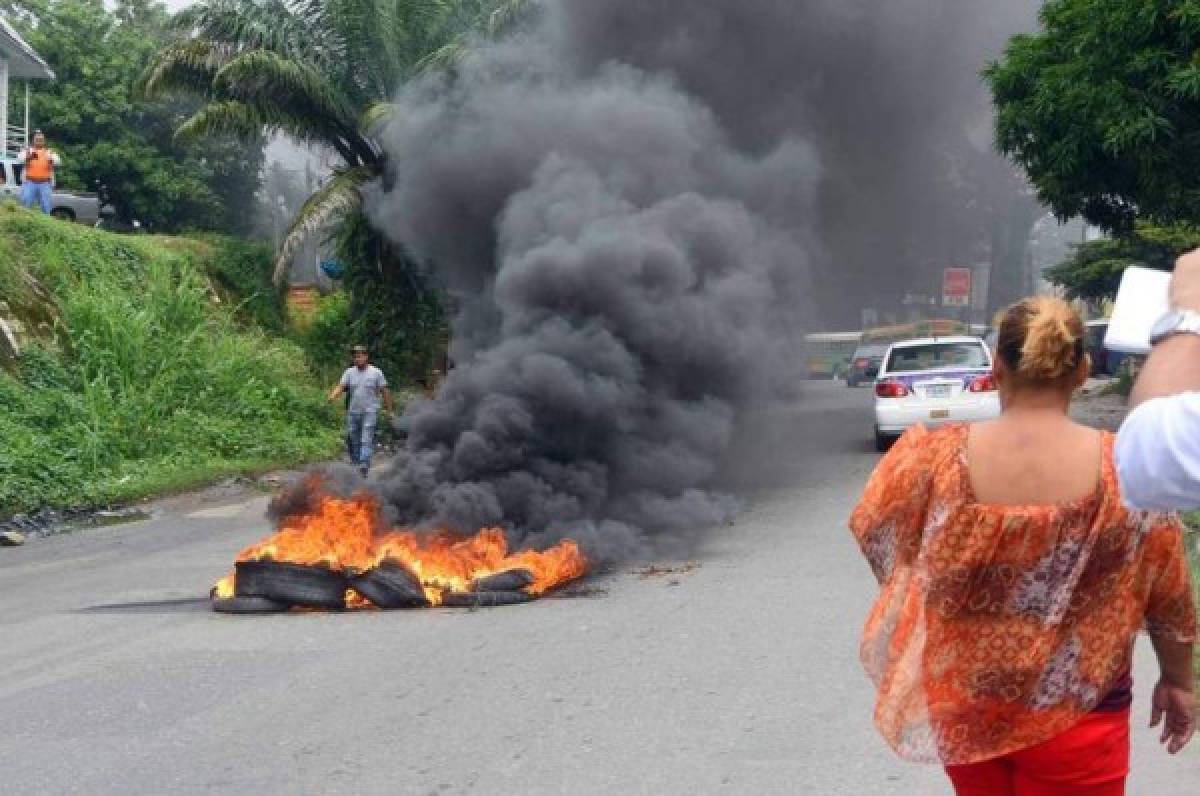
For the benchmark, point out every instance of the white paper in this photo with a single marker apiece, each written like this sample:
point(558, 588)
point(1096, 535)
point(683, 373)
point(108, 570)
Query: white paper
point(1143, 298)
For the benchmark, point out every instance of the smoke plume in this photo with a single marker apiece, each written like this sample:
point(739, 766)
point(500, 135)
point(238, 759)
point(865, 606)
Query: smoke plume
point(636, 208)
point(888, 93)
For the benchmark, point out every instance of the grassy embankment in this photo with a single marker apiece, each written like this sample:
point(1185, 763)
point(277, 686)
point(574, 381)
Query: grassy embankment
point(162, 367)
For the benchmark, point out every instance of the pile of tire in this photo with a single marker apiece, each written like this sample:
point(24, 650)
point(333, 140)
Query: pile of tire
point(503, 588)
point(263, 587)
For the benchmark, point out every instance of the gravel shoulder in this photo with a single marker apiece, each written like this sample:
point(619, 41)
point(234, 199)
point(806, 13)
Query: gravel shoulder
point(1098, 406)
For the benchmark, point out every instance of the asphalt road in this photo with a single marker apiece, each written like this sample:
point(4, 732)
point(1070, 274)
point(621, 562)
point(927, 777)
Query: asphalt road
point(738, 676)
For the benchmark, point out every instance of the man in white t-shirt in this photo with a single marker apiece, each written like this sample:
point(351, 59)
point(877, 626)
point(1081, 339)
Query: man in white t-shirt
point(1158, 448)
point(366, 386)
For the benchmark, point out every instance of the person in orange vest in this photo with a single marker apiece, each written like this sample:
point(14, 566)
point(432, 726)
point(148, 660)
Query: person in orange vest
point(38, 182)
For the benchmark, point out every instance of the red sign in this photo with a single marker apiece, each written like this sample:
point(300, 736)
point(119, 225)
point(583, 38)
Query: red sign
point(956, 287)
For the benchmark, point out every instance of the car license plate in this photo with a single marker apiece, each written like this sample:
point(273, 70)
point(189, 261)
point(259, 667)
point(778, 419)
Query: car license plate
point(939, 414)
point(938, 391)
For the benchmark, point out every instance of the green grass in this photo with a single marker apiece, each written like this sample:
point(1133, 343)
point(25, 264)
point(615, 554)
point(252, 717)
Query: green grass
point(162, 377)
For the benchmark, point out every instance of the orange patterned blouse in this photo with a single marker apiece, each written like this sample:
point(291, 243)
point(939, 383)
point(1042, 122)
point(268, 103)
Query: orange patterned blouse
point(1000, 627)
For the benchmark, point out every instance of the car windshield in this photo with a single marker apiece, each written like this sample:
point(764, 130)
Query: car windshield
point(937, 356)
point(870, 352)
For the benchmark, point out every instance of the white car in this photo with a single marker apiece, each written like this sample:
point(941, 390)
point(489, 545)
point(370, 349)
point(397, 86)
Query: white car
point(933, 381)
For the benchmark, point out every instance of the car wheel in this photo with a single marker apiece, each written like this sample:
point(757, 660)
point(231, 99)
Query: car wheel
point(62, 214)
point(883, 442)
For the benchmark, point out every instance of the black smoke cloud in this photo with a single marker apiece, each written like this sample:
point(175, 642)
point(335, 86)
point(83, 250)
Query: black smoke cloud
point(636, 207)
point(628, 282)
point(887, 92)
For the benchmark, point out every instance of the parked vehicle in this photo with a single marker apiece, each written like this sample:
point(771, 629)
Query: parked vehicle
point(1105, 363)
point(933, 381)
point(828, 355)
point(864, 365)
point(77, 206)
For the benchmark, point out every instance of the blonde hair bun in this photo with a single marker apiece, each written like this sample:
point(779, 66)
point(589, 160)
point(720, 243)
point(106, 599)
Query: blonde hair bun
point(1041, 339)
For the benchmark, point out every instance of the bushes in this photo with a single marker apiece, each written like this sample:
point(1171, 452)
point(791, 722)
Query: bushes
point(158, 385)
point(328, 338)
point(242, 270)
point(394, 309)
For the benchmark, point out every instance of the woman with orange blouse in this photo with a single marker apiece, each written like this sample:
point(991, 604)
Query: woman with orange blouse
point(1013, 583)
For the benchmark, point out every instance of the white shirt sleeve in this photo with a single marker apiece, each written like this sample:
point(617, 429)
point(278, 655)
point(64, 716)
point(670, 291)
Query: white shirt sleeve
point(1158, 454)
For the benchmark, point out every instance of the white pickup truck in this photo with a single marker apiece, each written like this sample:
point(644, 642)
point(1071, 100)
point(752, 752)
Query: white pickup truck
point(83, 208)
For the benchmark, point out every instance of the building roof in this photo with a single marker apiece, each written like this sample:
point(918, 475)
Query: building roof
point(23, 62)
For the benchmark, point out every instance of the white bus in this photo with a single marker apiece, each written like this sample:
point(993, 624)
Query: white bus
point(827, 355)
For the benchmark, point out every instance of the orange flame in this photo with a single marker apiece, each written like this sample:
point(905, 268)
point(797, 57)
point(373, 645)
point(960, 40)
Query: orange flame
point(344, 535)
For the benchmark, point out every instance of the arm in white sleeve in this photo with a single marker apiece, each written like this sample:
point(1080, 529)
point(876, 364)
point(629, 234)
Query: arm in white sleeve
point(1158, 454)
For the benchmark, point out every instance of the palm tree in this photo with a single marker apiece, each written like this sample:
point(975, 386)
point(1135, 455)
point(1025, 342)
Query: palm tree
point(322, 71)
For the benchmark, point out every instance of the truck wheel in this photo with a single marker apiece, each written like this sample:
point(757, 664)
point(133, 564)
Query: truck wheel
point(883, 442)
point(63, 214)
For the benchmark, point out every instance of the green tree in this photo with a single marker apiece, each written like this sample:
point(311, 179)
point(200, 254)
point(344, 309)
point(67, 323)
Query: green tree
point(325, 73)
point(322, 71)
point(1094, 269)
point(1102, 109)
point(108, 136)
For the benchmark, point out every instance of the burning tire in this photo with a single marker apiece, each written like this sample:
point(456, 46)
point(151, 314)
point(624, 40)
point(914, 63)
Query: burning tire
point(292, 584)
point(512, 580)
point(485, 599)
point(248, 605)
point(391, 587)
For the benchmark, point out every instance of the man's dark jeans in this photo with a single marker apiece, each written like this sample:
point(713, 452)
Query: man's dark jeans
point(360, 437)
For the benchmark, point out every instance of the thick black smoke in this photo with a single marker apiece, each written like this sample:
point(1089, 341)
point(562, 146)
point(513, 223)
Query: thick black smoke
point(627, 280)
point(628, 206)
point(887, 92)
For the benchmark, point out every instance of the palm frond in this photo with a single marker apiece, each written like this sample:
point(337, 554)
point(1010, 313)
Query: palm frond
point(227, 117)
point(492, 19)
point(508, 15)
point(261, 77)
point(445, 57)
point(339, 196)
point(274, 25)
point(185, 67)
point(376, 116)
point(224, 117)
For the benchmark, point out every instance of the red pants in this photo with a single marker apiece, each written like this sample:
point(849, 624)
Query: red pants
point(1091, 759)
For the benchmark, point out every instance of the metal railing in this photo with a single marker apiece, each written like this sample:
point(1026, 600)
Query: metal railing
point(18, 139)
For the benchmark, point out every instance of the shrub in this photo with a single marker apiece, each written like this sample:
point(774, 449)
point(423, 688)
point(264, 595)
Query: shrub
point(242, 270)
point(328, 338)
point(159, 386)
